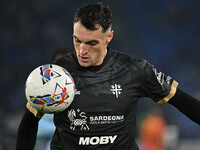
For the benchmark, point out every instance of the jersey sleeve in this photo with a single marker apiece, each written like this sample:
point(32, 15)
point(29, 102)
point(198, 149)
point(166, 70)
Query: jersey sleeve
point(158, 86)
point(34, 111)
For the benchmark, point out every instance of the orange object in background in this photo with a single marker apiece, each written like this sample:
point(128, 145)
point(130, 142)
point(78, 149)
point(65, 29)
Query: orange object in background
point(152, 132)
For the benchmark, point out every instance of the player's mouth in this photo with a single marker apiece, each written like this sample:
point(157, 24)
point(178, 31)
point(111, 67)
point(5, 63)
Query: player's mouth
point(84, 58)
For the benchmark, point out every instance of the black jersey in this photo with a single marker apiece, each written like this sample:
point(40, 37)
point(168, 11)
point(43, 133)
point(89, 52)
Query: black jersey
point(103, 113)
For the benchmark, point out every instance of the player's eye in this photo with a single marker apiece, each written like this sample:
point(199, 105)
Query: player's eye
point(77, 40)
point(92, 44)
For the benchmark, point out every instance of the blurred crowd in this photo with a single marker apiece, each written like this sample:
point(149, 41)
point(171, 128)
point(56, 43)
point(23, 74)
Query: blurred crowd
point(166, 33)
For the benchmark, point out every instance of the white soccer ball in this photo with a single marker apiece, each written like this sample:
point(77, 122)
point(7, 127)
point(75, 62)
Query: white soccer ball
point(50, 88)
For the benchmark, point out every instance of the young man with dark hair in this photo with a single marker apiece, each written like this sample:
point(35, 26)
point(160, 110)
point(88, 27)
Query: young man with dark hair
point(109, 84)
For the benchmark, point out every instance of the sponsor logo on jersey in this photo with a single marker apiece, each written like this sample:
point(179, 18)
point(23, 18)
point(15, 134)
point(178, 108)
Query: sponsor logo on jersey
point(116, 89)
point(95, 140)
point(106, 119)
point(79, 119)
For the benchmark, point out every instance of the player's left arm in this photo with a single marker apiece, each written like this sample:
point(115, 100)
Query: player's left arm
point(158, 85)
point(187, 104)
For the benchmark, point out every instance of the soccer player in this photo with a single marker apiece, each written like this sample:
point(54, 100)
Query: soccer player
point(108, 86)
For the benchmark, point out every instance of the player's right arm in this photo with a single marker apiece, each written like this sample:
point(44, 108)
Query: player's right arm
point(27, 131)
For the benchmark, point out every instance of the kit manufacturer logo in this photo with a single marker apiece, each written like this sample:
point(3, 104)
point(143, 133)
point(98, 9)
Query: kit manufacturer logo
point(162, 78)
point(76, 92)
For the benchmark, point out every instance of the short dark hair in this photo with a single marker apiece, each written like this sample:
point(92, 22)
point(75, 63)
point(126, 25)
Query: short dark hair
point(94, 15)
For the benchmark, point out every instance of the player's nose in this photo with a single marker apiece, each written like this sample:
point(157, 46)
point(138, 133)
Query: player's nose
point(83, 49)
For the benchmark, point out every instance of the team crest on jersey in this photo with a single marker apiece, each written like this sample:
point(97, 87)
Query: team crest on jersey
point(116, 90)
point(47, 73)
point(78, 119)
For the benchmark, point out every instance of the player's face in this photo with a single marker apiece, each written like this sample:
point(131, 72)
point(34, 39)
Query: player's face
point(90, 46)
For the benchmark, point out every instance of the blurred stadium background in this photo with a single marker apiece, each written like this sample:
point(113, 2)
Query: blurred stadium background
point(166, 33)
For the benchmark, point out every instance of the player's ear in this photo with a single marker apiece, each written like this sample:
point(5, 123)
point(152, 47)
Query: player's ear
point(110, 36)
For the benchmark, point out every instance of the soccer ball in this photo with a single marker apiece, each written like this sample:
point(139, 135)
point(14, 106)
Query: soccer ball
point(50, 88)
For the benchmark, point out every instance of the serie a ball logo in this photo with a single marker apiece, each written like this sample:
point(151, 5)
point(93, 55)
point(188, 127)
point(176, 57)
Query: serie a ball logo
point(50, 88)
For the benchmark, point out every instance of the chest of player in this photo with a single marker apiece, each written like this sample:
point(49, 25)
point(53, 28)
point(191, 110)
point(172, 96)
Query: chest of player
point(107, 91)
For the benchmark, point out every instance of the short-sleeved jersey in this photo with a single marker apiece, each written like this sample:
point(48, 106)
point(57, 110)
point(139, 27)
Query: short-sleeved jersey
point(103, 113)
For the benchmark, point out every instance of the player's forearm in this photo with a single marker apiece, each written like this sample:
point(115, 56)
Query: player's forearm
point(27, 132)
point(187, 104)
